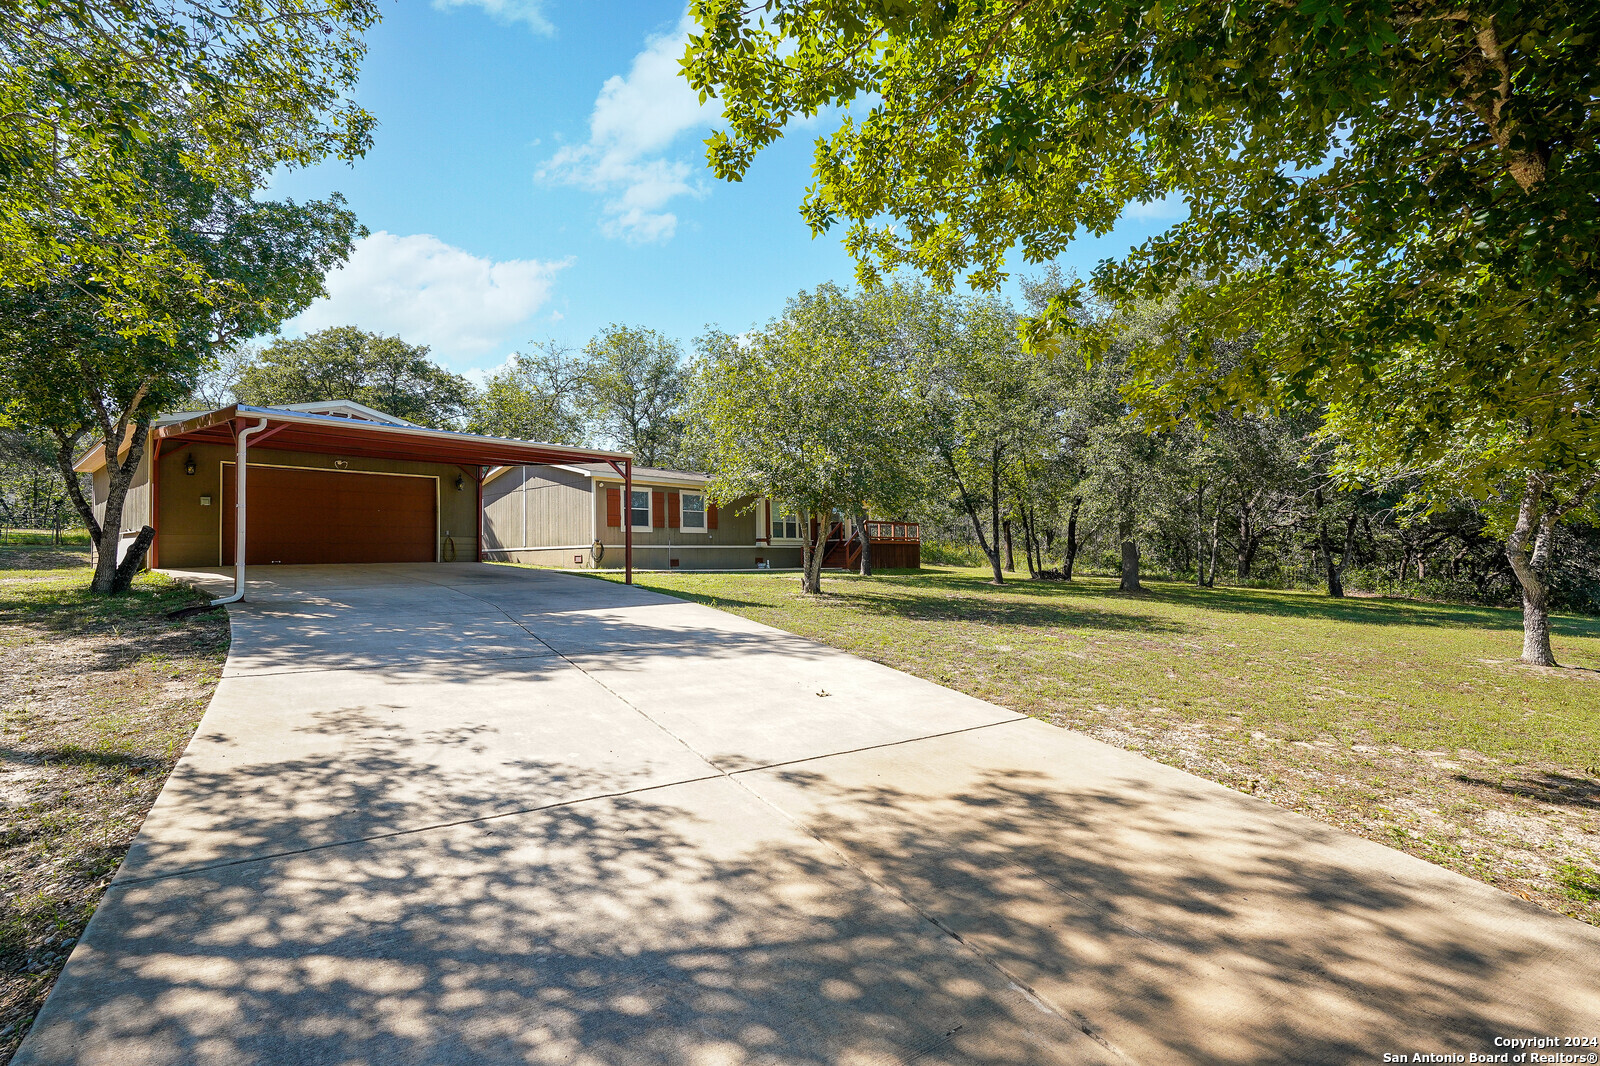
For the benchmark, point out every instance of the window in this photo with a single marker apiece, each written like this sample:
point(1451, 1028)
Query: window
point(692, 510)
point(787, 526)
point(639, 511)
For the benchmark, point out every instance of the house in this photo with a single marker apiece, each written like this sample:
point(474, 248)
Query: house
point(572, 515)
point(333, 482)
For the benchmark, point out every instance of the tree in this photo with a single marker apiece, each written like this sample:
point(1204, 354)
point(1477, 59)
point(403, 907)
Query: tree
point(243, 88)
point(218, 385)
point(1488, 461)
point(537, 396)
point(1399, 199)
point(980, 406)
point(633, 391)
point(347, 363)
point(31, 490)
point(65, 369)
point(805, 411)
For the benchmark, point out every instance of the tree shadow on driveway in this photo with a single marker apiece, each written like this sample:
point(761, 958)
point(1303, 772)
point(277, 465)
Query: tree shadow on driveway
point(1004, 920)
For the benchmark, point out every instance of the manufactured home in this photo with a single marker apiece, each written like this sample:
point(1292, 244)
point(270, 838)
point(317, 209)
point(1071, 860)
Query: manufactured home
point(578, 515)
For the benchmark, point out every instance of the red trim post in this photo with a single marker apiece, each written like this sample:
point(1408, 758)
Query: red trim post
point(478, 539)
point(627, 521)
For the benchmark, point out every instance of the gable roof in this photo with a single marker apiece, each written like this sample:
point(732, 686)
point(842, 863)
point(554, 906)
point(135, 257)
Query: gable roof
point(345, 409)
point(653, 474)
point(648, 475)
point(343, 434)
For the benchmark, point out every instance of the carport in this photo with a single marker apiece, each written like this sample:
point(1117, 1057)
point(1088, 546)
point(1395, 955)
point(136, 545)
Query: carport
point(339, 484)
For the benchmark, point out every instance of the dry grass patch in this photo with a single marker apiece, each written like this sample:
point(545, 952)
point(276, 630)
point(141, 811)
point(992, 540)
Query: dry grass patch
point(98, 698)
point(1407, 723)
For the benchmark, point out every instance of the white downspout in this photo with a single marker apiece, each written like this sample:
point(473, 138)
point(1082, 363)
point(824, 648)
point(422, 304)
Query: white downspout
point(241, 446)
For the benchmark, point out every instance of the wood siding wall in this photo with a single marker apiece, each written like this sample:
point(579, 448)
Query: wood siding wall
point(734, 525)
point(536, 506)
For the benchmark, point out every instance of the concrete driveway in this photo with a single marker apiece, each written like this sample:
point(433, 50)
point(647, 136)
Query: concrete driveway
point(475, 814)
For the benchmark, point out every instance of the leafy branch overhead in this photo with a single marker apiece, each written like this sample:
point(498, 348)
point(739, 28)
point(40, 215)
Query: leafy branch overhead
point(1395, 201)
point(87, 89)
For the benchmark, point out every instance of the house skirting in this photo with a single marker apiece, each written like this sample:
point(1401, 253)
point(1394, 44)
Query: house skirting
point(655, 556)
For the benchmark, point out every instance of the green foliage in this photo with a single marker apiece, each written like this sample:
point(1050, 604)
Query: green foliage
point(346, 363)
point(538, 396)
point(1579, 882)
point(632, 387)
point(32, 494)
point(807, 411)
point(1394, 206)
point(89, 88)
point(69, 370)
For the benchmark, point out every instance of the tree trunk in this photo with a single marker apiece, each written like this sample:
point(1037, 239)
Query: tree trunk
point(994, 513)
point(1130, 567)
point(1036, 565)
point(1349, 548)
point(105, 532)
point(1335, 573)
point(1528, 549)
point(1211, 578)
point(969, 505)
point(1072, 538)
point(1245, 553)
point(1130, 555)
point(866, 544)
point(1011, 555)
point(811, 553)
point(131, 562)
point(1030, 556)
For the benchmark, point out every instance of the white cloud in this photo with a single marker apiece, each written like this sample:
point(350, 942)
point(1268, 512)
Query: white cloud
point(428, 292)
point(506, 12)
point(635, 122)
point(1170, 207)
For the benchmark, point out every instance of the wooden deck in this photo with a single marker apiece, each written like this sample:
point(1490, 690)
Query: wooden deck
point(895, 546)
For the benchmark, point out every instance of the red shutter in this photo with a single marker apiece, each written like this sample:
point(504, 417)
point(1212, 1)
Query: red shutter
point(769, 521)
point(674, 521)
point(613, 506)
point(658, 509)
point(711, 516)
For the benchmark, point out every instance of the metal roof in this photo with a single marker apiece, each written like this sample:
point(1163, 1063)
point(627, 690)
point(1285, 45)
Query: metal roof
point(645, 473)
point(304, 431)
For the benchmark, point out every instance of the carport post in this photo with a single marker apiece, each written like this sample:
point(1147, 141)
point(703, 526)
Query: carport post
point(627, 521)
point(241, 447)
point(478, 542)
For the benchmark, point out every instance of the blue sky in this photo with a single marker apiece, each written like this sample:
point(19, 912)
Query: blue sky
point(538, 172)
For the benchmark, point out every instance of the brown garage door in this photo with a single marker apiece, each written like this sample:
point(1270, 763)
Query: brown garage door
point(332, 516)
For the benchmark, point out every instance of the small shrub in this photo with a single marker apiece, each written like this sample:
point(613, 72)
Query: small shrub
point(951, 553)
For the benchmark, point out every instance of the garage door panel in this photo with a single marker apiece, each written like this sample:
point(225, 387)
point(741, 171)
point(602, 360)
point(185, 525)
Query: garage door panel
point(300, 515)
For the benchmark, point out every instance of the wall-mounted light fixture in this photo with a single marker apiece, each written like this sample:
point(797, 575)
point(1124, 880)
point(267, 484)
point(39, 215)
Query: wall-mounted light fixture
point(189, 467)
point(461, 483)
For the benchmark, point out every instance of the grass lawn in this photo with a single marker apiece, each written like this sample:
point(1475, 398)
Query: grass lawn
point(1408, 723)
point(97, 699)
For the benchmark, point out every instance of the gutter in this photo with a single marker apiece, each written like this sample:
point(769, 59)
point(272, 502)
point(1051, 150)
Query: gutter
point(241, 446)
